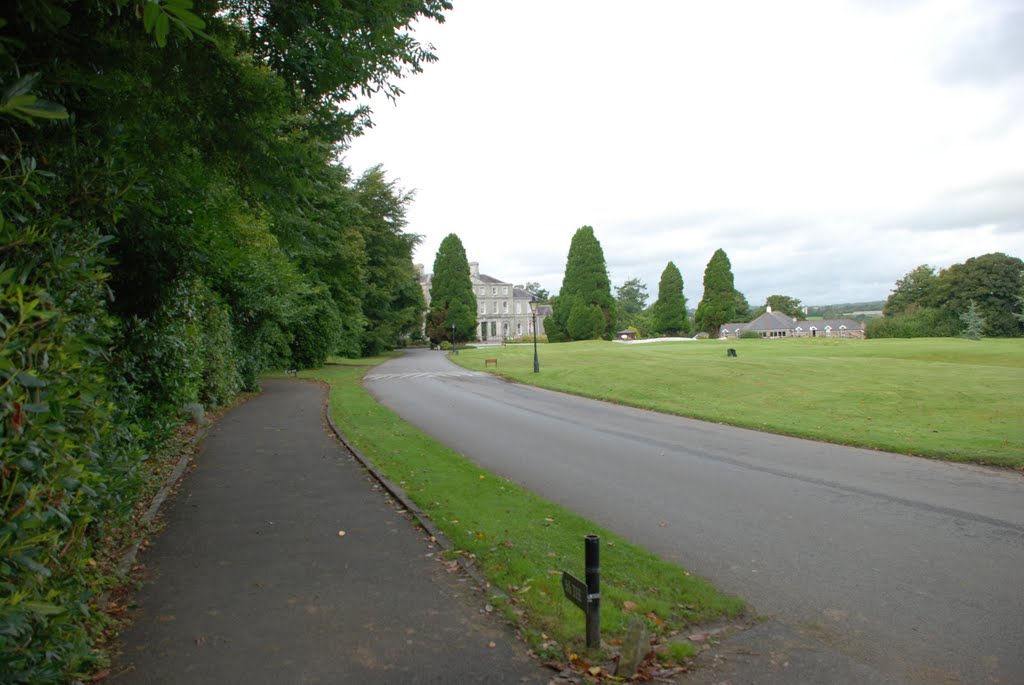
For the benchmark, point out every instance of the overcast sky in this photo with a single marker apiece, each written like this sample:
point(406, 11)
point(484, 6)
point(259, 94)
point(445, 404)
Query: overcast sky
point(827, 147)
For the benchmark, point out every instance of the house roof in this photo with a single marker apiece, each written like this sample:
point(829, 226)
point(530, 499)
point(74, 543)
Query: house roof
point(776, 321)
point(484, 278)
point(522, 292)
point(834, 324)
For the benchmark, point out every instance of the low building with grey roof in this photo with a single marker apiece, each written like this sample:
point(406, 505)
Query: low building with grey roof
point(778, 325)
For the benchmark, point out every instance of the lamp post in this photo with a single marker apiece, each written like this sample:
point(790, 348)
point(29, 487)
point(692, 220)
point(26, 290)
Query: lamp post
point(533, 310)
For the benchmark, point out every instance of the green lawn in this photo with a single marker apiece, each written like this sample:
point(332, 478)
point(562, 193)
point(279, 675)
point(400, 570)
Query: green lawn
point(943, 397)
point(521, 541)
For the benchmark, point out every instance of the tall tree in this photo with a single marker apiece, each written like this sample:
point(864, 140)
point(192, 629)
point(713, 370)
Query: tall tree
point(744, 312)
point(630, 300)
point(452, 302)
point(669, 310)
point(916, 290)
point(718, 306)
point(586, 287)
point(992, 282)
point(392, 301)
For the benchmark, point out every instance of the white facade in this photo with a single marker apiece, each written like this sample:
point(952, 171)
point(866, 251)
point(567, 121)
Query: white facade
point(502, 308)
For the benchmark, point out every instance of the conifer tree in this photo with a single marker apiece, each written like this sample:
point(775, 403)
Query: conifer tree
point(585, 286)
point(718, 306)
point(669, 310)
point(452, 301)
point(974, 321)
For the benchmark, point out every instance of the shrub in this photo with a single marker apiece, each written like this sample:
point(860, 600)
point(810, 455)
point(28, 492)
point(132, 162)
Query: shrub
point(750, 335)
point(68, 446)
point(316, 334)
point(918, 323)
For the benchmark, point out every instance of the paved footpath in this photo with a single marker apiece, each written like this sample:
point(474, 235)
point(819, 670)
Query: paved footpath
point(251, 583)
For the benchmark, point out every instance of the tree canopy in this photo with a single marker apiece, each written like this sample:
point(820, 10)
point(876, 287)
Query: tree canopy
point(174, 221)
point(452, 302)
point(584, 308)
point(790, 306)
point(915, 290)
point(719, 303)
point(669, 310)
point(928, 304)
point(630, 301)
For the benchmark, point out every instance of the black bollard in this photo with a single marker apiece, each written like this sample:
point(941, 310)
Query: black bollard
point(592, 558)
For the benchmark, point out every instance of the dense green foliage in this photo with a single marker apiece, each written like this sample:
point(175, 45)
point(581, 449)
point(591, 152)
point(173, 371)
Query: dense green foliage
point(173, 222)
point(630, 302)
point(584, 308)
point(929, 304)
point(721, 299)
point(669, 310)
point(942, 397)
point(452, 302)
point(790, 306)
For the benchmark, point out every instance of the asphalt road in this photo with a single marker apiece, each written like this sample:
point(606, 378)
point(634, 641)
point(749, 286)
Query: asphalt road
point(874, 566)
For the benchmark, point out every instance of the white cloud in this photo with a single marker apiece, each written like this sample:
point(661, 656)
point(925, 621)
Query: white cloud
point(828, 147)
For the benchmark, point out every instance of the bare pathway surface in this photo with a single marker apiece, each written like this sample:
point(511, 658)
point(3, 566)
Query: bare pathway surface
point(251, 583)
point(872, 567)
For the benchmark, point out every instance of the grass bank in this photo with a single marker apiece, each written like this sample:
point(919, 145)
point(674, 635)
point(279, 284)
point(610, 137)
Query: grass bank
point(940, 397)
point(521, 541)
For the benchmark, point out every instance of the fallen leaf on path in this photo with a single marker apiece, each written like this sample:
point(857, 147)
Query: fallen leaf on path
point(341, 533)
point(491, 644)
point(629, 606)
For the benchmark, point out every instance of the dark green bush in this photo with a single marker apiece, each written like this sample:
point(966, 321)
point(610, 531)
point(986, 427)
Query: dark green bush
point(317, 333)
point(919, 323)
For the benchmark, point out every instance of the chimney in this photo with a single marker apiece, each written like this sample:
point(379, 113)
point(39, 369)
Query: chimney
point(474, 269)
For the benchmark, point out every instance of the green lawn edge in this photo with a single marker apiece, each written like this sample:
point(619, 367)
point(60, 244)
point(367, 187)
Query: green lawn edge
point(520, 541)
point(949, 399)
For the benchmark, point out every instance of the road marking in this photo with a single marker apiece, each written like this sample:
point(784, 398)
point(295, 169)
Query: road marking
point(422, 374)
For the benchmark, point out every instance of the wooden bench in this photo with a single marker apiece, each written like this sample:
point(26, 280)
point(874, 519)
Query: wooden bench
point(488, 362)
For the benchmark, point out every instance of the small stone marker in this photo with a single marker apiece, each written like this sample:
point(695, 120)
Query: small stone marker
point(634, 648)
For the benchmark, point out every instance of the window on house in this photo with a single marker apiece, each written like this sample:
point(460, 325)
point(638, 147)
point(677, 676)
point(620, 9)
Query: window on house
point(494, 328)
point(519, 328)
point(483, 307)
point(495, 307)
point(494, 291)
point(519, 307)
point(504, 306)
point(504, 290)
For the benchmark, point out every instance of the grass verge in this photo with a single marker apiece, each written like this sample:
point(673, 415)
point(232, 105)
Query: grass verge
point(522, 542)
point(946, 398)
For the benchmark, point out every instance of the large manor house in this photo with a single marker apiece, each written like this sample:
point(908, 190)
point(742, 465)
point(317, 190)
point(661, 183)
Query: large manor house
point(502, 309)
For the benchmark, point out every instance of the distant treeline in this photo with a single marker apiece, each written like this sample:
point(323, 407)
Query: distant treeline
point(847, 309)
